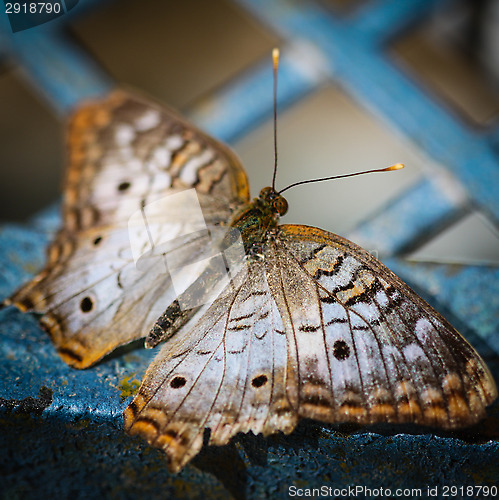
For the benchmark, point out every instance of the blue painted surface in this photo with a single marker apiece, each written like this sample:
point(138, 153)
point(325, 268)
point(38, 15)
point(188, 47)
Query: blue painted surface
point(66, 441)
point(424, 205)
point(57, 68)
point(468, 295)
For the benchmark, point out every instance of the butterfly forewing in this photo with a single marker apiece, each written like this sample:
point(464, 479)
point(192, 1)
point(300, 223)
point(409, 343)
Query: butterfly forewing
point(318, 329)
point(126, 155)
point(392, 358)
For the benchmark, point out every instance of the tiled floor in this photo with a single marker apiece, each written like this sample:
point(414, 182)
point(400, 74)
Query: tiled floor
point(179, 54)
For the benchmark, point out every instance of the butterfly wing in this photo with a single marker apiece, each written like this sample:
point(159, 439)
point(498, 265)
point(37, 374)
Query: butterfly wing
point(126, 154)
point(318, 329)
point(228, 371)
point(369, 349)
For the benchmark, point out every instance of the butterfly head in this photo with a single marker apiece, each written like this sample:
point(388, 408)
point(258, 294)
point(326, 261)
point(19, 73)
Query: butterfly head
point(255, 219)
point(276, 202)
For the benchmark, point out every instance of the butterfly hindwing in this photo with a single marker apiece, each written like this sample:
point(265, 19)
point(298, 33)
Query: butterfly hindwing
point(126, 153)
point(228, 371)
point(318, 329)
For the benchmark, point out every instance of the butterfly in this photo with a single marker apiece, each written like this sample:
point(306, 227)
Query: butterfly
point(309, 325)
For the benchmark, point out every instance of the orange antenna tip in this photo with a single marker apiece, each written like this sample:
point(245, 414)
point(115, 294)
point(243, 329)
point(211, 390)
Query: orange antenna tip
point(397, 166)
point(275, 57)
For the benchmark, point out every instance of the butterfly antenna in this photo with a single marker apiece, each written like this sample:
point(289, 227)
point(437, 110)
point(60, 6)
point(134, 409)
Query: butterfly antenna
point(397, 166)
point(275, 66)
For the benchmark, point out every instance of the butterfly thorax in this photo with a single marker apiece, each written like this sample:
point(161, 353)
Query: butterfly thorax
point(258, 217)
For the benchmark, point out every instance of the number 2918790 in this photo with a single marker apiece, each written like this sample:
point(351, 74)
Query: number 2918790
point(32, 7)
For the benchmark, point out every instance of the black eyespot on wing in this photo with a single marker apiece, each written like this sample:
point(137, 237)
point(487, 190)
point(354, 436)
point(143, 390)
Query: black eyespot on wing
point(86, 304)
point(124, 186)
point(97, 240)
point(341, 351)
point(259, 381)
point(178, 382)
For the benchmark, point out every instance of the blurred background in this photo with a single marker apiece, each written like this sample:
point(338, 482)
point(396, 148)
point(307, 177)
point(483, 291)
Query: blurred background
point(202, 57)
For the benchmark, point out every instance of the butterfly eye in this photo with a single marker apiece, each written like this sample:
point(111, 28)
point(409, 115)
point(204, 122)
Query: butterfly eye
point(280, 205)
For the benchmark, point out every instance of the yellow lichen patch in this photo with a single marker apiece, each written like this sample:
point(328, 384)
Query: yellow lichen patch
point(82, 423)
point(31, 267)
point(128, 387)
